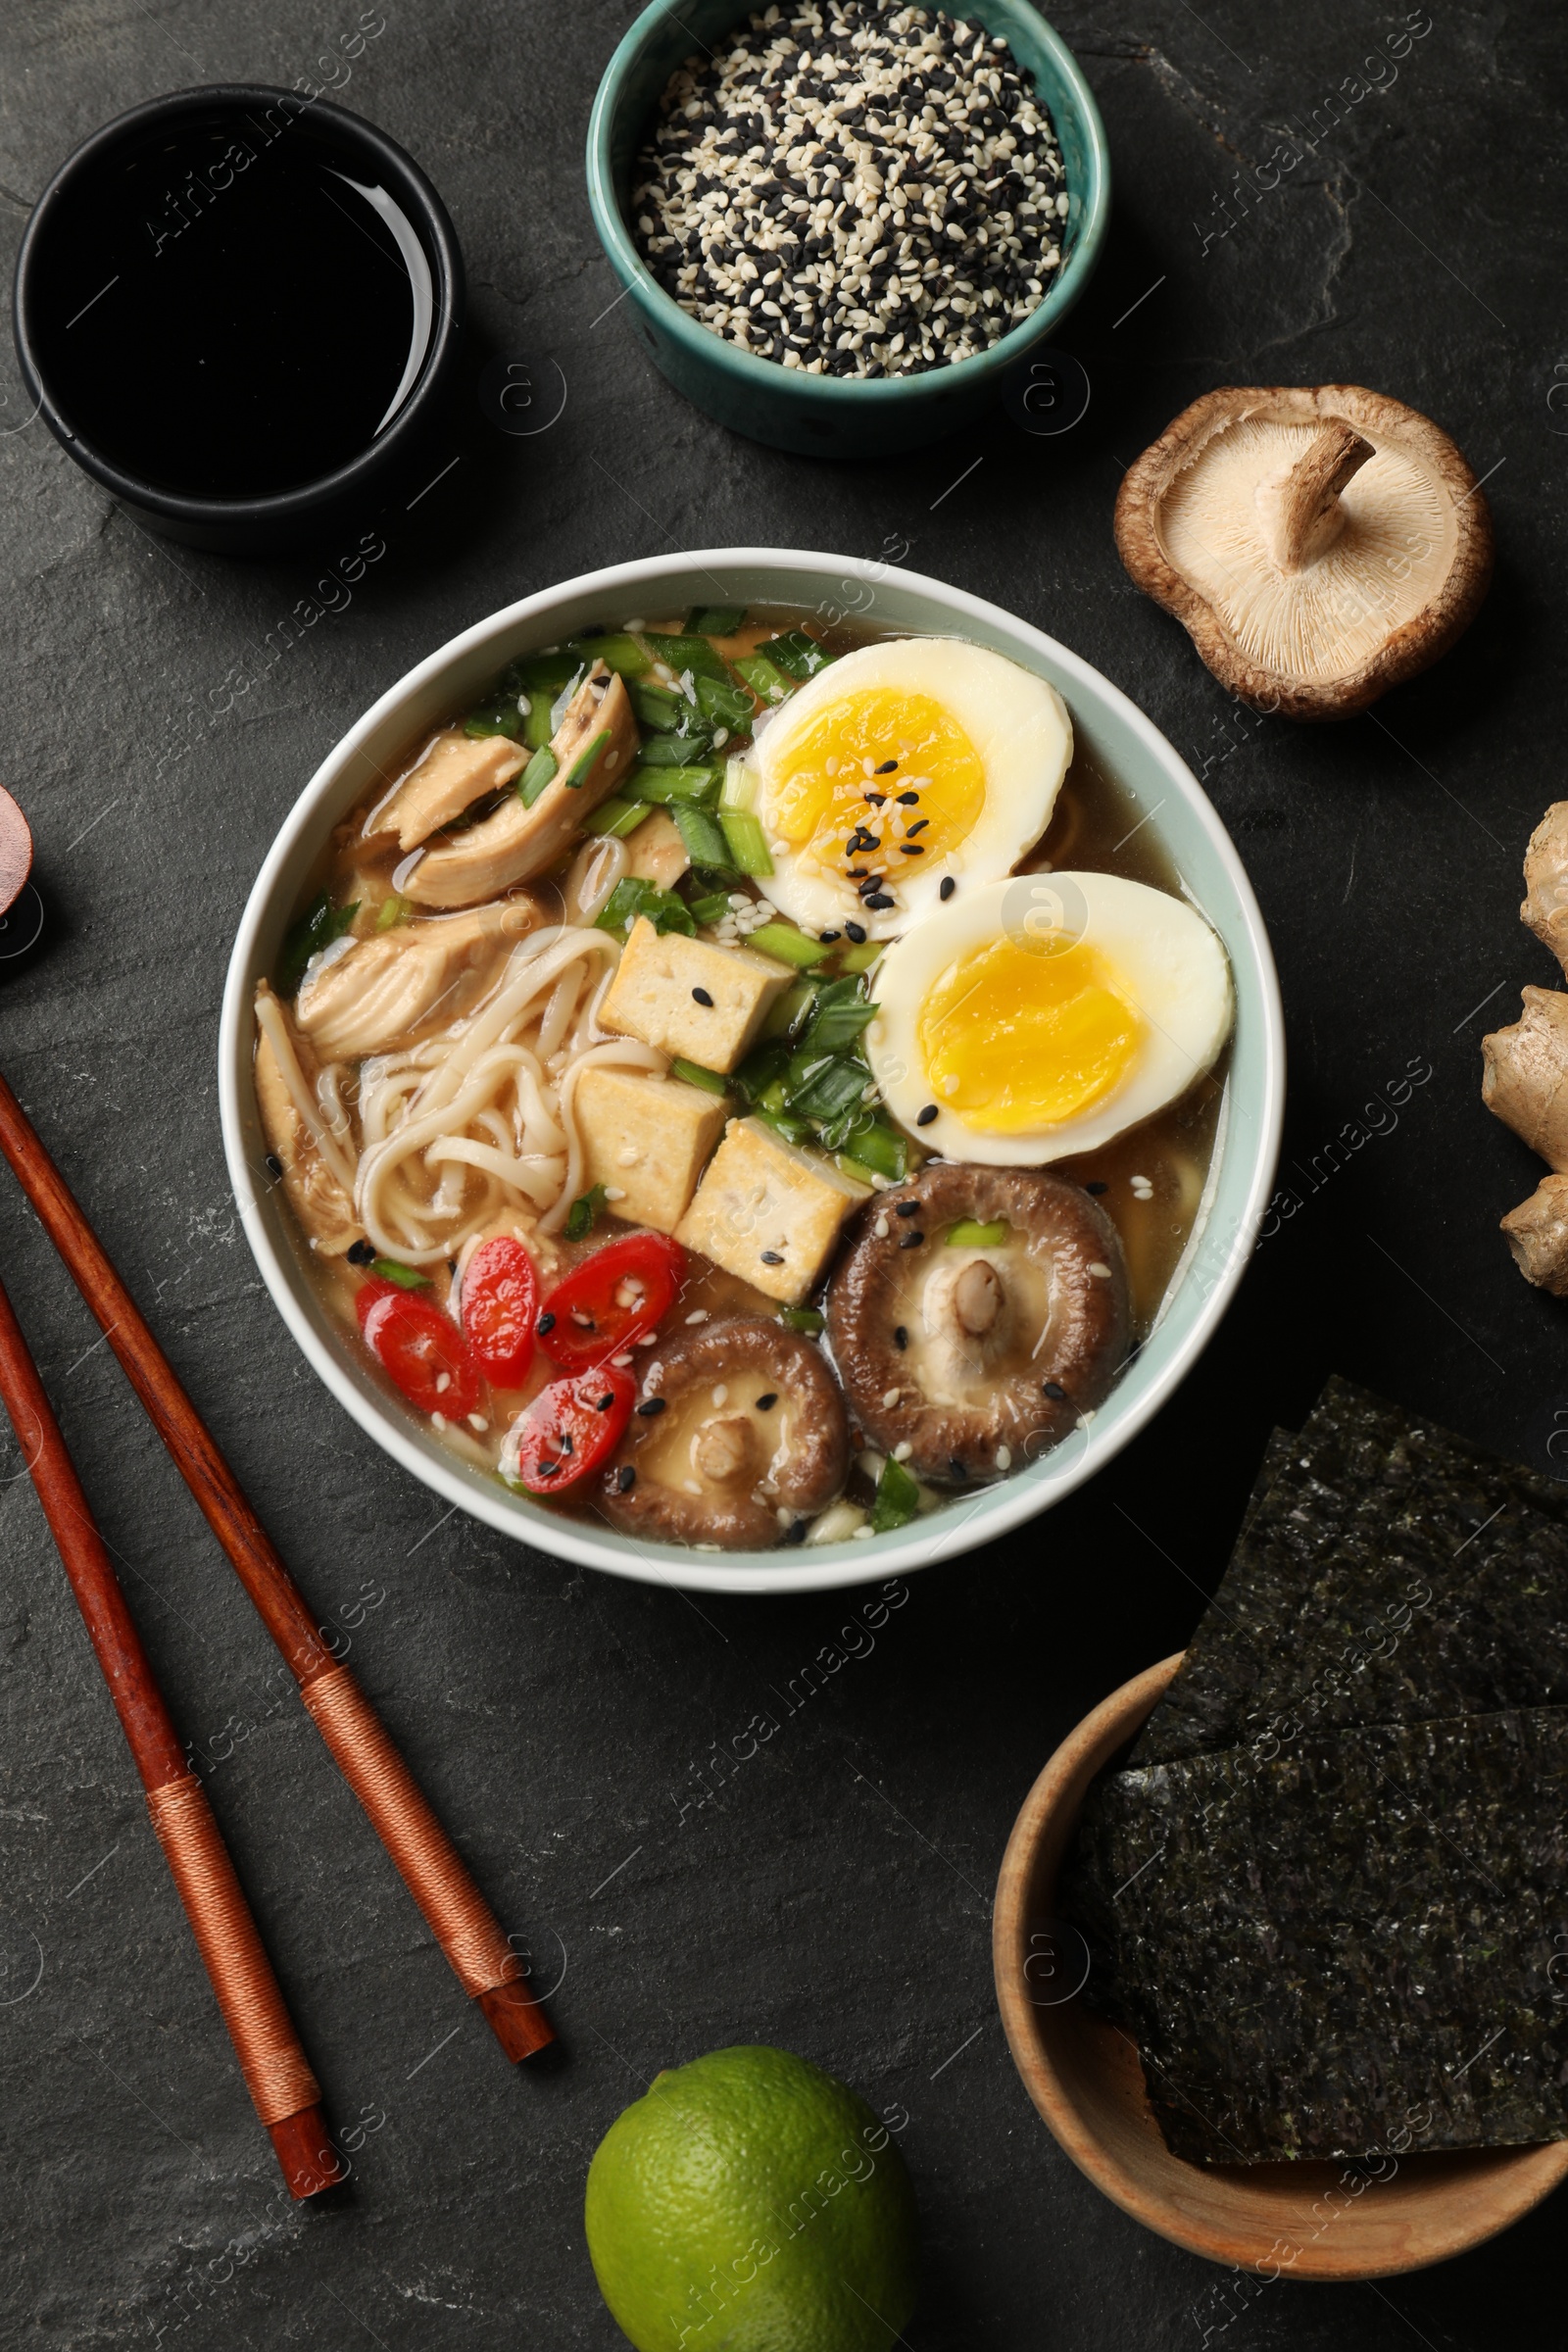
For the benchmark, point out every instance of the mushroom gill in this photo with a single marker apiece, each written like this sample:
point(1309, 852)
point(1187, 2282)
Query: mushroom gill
point(1317, 544)
point(978, 1315)
point(739, 1435)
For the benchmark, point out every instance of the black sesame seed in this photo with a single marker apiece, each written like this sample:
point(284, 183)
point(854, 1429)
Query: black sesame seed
point(1097, 1188)
point(887, 767)
point(626, 1481)
point(949, 886)
point(547, 1469)
point(910, 1240)
point(878, 800)
point(909, 800)
point(773, 1258)
point(918, 826)
point(545, 1325)
point(900, 1339)
point(879, 897)
point(956, 1467)
point(827, 937)
point(275, 1167)
point(912, 849)
point(855, 931)
point(602, 1405)
point(361, 1254)
point(795, 1533)
point(1054, 1388)
point(906, 1209)
point(564, 1442)
point(765, 1404)
point(700, 996)
point(651, 1407)
point(923, 1118)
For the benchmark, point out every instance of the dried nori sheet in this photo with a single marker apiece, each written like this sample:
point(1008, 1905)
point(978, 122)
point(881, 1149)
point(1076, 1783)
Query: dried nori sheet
point(1387, 1572)
point(1359, 1944)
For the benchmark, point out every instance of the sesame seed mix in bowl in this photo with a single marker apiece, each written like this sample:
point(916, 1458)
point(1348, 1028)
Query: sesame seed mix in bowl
point(857, 188)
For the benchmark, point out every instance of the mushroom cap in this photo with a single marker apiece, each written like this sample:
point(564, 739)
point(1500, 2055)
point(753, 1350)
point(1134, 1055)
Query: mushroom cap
point(714, 1465)
point(1390, 571)
point(1005, 1345)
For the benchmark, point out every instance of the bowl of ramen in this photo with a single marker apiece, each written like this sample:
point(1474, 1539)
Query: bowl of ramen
point(753, 1070)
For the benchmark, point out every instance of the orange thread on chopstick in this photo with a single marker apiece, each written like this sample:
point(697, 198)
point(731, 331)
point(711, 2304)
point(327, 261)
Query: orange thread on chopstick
point(276, 2071)
point(460, 1919)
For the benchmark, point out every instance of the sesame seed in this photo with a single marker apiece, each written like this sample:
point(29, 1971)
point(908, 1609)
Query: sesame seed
point(910, 1240)
point(949, 886)
point(900, 1339)
point(651, 1407)
point(1054, 1389)
point(773, 1258)
point(626, 1479)
point(923, 1118)
point(700, 996)
point(1098, 1268)
point(765, 1404)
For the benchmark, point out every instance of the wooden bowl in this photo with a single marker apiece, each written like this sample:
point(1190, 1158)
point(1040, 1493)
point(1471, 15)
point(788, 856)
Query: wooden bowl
point(1307, 2221)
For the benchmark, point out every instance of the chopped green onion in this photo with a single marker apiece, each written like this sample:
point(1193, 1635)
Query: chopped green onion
point(793, 1131)
point(536, 727)
point(797, 653)
point(727, 705)
point(581, 768)
point(788, 944)
point(874, 1146)
point(540, 771)
point(688, 653)
point(544, 674)
point(705, 845)
point(898, 1497)
point(672, 751)
point(763, 679)
point(394, 911)
point(710, 910)
point(801, 1318)
point(583, 1213)
point(860, 958)
point(657, 707)
point(971, 1234)
point(715, 620)
point(405, 1276)
point(763, 1068)
point(841, 1012)
point(666, 785)
point(619, 651)
point(497, 717)
point(632, 897)
point(317, 927)
point(618, 817)
point(748, 843)
point(787, 1016)
point(711, 1081)
point(824, 1086)
point(859, 1171)
point(740, 783)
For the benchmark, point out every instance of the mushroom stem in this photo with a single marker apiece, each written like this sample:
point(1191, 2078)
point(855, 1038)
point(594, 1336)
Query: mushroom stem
point(725, 1449)
point(1300, 510)
point(1525, 1082)
point(1546, 907)
point(977, 1297)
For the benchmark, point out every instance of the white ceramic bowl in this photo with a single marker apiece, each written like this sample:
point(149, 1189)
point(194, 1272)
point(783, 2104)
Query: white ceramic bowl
point(1120, 737)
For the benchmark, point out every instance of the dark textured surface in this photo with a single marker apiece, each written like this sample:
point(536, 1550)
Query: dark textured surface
point(1354, 1940)
point(829, 1889)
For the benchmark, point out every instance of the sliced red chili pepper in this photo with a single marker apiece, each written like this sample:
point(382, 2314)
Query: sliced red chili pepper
point(500, 1303)
point(568, 1429)
point(421, 1347)
point(612, 1299)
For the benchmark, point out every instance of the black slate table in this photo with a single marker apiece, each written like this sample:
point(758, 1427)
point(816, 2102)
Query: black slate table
point(681, 1885)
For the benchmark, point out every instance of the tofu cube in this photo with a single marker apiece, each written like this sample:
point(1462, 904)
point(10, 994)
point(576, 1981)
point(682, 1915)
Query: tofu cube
point(655, 996)
point(646, 1140)
point(655, 851)
point(768, 1211)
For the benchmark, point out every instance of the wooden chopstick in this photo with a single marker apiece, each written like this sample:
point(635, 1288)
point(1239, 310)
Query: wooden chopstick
point(434, 1873)
point(276, 2071)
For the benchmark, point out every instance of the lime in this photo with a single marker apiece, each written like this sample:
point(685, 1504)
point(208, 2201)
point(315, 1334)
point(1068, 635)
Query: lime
point(749, 2203)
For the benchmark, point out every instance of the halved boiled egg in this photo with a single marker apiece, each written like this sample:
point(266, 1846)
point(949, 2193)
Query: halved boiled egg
point(1039, 1016)
point(904, 764)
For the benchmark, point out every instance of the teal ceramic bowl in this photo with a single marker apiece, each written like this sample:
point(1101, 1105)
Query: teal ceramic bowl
point(827, 416)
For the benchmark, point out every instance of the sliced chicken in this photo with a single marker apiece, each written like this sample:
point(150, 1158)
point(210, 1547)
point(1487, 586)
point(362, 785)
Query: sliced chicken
point(404, 984)
point(655, 851)
point(449, 776)
point(314, 1194)
point(598, 735)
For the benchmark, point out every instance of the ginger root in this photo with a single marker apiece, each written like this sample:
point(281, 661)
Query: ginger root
point(1537, 1231)
point(1546, 907)
point(1525, 1083)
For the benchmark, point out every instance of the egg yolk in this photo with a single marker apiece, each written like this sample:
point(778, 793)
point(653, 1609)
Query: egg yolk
point(1027, 1033)
point(820, 782)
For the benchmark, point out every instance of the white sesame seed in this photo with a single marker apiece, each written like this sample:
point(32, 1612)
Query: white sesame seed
point(1101, 1271)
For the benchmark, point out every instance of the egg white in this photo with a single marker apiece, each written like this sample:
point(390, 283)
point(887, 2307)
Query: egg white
point(1165, 956)
point(1020, 728)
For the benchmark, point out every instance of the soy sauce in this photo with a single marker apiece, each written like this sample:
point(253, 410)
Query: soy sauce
point(233, 306)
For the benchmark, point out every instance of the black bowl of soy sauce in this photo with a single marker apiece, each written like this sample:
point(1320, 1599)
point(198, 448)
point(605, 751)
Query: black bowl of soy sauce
point(238, 310)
